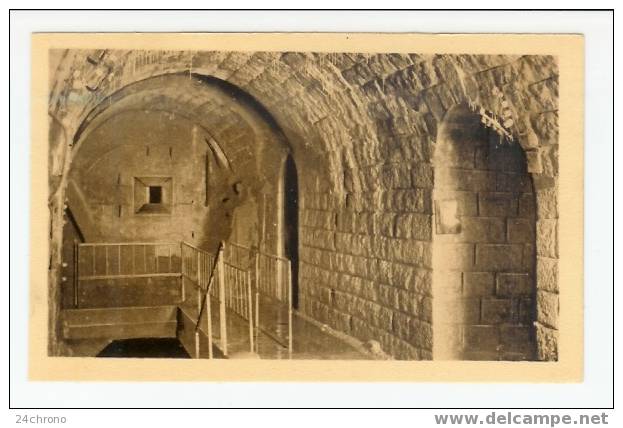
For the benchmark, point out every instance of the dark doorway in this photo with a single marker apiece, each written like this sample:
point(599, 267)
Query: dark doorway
point(291, 223)
point(145, 348)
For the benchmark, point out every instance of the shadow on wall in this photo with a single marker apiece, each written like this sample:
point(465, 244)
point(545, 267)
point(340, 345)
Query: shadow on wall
point(225, 196)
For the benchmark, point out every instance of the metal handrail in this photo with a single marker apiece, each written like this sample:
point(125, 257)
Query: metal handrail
point(108, 244)
point(249, 271)
point(135, 275)
point(113, 267)
point(273, 280)
point(205, 303)
point(256, 250)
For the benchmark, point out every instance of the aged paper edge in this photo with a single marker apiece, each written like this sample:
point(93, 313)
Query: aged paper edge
point(570, 52)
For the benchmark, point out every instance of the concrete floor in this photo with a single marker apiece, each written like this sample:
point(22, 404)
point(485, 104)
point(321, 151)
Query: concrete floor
point(309, 340)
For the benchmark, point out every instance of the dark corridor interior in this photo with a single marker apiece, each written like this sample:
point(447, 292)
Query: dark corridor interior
point(290, 214)
point(144, 348)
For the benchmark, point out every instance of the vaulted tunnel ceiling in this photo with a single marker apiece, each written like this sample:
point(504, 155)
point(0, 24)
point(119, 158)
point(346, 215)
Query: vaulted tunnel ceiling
point(237, 136)
point(341, 112)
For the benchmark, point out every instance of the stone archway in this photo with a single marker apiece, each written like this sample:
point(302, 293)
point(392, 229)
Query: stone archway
point(484, 260)
point(218, 151)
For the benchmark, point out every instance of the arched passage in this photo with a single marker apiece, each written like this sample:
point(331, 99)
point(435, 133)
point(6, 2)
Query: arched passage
point(151, 163)
point(483, 243)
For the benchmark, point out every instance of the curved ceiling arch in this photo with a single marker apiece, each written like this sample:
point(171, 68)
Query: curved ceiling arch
point(234, 124)
point(196, 96)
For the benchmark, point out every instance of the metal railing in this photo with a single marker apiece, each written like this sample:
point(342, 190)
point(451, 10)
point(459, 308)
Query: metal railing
point(199, 269)
point(271, 284)
point(258, 288)
point(117, 261)
point(273, 287)
point(255, 286)
point(223, 281)
point(238, 295)
point(196, 268)
point(238, 255)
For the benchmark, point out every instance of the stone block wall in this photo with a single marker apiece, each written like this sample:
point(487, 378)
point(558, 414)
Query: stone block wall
point(547, 255)
point(366, 266)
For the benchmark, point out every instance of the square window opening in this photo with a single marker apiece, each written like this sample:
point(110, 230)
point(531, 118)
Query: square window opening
point(155, 194)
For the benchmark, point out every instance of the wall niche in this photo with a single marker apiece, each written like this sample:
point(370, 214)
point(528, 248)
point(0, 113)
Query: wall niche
point(153, 195)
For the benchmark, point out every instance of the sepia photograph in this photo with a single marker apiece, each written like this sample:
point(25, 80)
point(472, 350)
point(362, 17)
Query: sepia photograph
point(303, 205)
point(300, 205)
